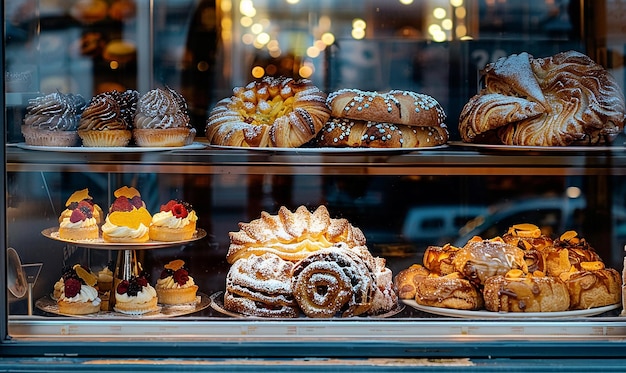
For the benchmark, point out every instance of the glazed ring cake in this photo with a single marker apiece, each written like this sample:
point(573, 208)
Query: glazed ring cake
point(292, 235)
point(261, 286)
point(271, 112)
point(565, 99)
point(519, 292)
point(480, 259)
point(450, 291)
point(333, 282)
point(592, 286)
point(351, 133)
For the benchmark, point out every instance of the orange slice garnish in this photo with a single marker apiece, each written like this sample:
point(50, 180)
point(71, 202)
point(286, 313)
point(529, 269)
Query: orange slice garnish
point(175, 265)
point(128, 192)
point(131, 219)
point(78, 196)
point(89, 278)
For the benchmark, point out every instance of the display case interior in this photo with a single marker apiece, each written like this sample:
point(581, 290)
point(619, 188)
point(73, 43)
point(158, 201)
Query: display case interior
point(396, 203)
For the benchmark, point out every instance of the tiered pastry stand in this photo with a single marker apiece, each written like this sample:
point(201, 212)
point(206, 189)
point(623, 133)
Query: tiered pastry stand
point(127, 266)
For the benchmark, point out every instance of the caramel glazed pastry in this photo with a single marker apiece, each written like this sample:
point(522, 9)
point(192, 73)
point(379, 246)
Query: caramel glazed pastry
point(565, 99)
point(393, 119)
point(307, 262)
point(271, 112)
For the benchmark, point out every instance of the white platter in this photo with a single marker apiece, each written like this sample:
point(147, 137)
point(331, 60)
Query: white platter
point(53, 234)
point(111, 149)
point(483, 314)
point(217, 303)
point(499, 147)
point(47, 304)
point(329, 150)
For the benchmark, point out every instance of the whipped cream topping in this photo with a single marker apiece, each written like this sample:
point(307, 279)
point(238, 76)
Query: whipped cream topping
point(87, 294)
point(103, 113)
point(55, 112)
point(113, 230)
point(89, 222)
point(146, 294)
point(169, 283)
point(160, 109)
point(168, 220)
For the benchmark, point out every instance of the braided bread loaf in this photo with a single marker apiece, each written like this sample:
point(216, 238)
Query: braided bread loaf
point(393, 119)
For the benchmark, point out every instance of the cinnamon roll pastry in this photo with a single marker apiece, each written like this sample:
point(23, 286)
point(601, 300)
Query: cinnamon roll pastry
point(271, 112)
point(561, 100)
point(261, 286)
point(449, 291)
point(333, 282)
point(519, 292)
point(480, 259)
point(438, 259)
point(592, 285)
point(406, 279)
point(529, 238)
point(292, 235)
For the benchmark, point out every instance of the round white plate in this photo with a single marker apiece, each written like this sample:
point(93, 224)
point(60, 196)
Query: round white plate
point(111, 149)
point(482, 314)
point(599, 148)
point(53, 234)
point(217, 303)
point(328, 150)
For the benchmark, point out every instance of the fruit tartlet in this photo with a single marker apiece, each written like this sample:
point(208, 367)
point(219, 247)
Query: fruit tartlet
point(75, 198)
point(81, 224)
point(76, 293)
point(135, 296)
point(128, 219)
point(176, 221)
point(175, 286)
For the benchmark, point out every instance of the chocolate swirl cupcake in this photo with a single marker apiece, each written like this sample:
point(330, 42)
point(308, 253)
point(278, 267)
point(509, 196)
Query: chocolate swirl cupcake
point(51, 120)
point(108, 118)
point(162, 119)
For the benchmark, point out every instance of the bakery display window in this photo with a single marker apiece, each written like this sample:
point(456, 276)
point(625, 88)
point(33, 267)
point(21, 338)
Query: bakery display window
point(351, 180)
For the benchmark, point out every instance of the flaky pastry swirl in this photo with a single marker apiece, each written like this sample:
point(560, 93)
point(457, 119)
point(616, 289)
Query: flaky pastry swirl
point(292, 235)
point(565, 99)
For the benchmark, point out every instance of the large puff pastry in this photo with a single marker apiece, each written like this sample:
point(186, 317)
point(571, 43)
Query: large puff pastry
point(565, 99)
point(271, 112)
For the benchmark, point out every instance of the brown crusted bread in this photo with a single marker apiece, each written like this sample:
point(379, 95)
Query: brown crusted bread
point(589, 288)
point(395, 106)
point(582, 103)
point(352, 133)
point(488, 112)
point(406, 279)
point(480, 259)
point(271, 112)
point(438, 259)
point(451, 291)
point(525, 294)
